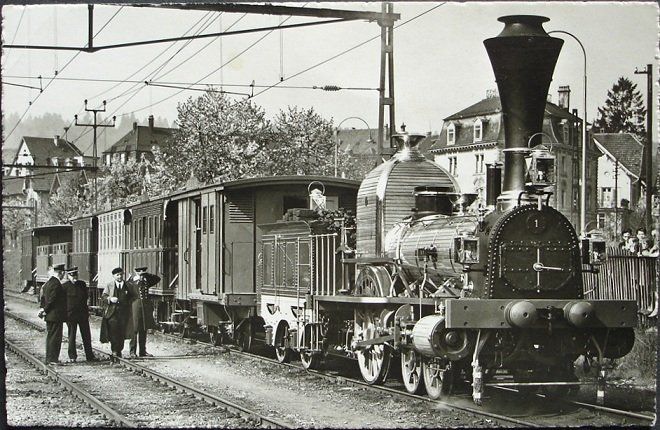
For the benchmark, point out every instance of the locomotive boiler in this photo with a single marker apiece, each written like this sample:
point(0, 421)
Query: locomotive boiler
point(484, 296)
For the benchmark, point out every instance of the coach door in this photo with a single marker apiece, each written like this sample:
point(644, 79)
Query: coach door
point(190, 247)
point(208, 243)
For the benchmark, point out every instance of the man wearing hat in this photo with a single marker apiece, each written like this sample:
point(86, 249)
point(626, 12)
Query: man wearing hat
point(116, 300)
point(53, 309)
point(77, 314)
point(142, 309)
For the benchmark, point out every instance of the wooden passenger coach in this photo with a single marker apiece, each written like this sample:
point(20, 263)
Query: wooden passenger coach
point(219, 239)
point(150, 241)
point(84, 249)
point(110, 243)
point(43, 247)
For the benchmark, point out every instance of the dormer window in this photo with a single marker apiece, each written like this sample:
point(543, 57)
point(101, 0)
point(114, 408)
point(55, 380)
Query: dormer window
point(478, 130)
point(451, 134)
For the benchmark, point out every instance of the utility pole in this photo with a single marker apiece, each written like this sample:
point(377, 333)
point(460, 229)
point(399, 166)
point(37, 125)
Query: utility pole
point(386, 24)
point(95, 125)
point(648, 148)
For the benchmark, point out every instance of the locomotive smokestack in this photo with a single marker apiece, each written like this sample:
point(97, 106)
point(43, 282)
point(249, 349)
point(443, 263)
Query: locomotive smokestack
point(523, 57)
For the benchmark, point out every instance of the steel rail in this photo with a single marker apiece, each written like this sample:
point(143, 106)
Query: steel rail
point(210, 398)
point(246, 413)
point(614, 411)
point(609, 410)
point(355, 382)
point(70, 386)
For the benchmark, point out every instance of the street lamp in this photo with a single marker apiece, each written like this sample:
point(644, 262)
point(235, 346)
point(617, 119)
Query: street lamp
point(583, 173)
point(337, 137)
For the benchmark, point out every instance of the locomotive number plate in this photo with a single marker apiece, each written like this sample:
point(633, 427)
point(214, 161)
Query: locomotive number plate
point(536, 223)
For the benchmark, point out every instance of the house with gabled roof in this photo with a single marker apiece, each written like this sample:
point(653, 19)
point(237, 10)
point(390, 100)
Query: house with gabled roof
point(45, 151)
point(474, 137)
point(620, 178)
point(35, 166)
point(138, 143)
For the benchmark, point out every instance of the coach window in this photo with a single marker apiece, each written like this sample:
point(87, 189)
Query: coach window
point(290, 264)
point(204, 218)
point(144, 232)
point(268, 264)
point(211, 219)
point(279, 268)
point(303, 264)
point(150, 233)
point(157, 233)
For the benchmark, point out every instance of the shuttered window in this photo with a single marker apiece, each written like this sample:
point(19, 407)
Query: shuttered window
point(241, 209)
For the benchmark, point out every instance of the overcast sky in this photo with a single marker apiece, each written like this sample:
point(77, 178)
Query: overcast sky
point(441, 65)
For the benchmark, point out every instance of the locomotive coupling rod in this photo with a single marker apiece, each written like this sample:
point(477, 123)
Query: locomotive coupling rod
point(375, 341)
point(539, 267)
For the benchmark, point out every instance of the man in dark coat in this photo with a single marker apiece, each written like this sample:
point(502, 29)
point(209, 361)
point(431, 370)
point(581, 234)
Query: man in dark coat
point(116, 299)
point(142, 309)
point(77, 314)
point(53, 308)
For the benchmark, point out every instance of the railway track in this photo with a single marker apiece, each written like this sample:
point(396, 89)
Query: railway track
point(455, 402)
point(212, 409)
point(620, 415)
point(342, 380)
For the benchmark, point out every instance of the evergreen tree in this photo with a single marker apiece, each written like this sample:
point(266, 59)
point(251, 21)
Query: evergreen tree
point(623, 112)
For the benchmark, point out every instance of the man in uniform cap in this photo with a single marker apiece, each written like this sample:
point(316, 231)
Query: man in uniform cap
point(53, 309)
point(116, 300)
point(142, 309)
point(77, 314)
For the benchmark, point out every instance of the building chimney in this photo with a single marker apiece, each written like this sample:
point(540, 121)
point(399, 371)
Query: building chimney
point(564, 99)
point(151, 123)
point(56, 139)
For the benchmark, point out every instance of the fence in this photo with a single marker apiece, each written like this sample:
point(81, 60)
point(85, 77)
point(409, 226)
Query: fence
point(628, 277)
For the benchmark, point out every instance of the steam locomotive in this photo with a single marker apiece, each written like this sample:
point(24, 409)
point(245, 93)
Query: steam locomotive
point(481, 296)
point(459, 295)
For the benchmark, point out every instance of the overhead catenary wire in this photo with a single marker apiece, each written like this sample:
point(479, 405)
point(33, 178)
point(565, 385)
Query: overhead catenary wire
point(20, 20)
point(212, 72)
point(346, 51)
point(135, 89)
point(192, 84)
point(142, 87)
point(30, 103)
point(127, 80)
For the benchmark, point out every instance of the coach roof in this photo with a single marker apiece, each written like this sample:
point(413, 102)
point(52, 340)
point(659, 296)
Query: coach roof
point(265, 181)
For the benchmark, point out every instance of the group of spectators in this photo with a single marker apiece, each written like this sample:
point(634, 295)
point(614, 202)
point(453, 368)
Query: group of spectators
point(127, 312)
point(640, 244)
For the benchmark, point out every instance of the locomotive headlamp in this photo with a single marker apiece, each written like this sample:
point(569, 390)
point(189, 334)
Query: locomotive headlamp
point(466, 249)
point(593, 249)
point(540, 167)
